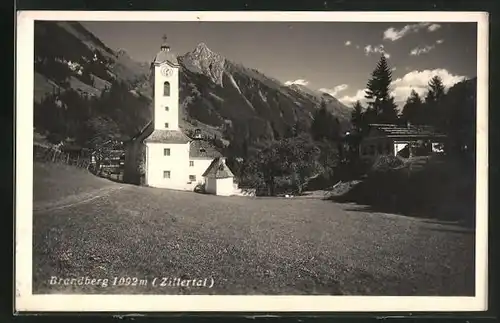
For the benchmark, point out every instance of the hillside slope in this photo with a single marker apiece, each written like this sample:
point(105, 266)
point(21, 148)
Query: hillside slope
point(220, 97)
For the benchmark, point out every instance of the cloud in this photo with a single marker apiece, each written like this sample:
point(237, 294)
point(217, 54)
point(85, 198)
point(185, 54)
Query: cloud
point(418, 81)
point(402, 87)
point(421, 50)
point(424, 50)
point(350, 100)
point(433, 27)
point(394, 34)
point(369, 49)
point(348, 43)
point(336, 90)
point(298, 82)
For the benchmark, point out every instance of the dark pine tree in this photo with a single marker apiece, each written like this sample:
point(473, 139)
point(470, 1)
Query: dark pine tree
point(436, 90)
point(324, 125)
point(357, 116)
point(434, 114)
point(381, 106)
point(413, 109)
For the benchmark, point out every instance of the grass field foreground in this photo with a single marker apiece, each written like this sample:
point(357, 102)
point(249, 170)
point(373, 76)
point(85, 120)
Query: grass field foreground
point(242, 245)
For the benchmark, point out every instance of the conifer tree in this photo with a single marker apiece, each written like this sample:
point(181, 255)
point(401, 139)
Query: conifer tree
point(436, 90)
point(413, 109)
point(381, 106)
point(433, 107)
point(357, 116)
point(324, 125)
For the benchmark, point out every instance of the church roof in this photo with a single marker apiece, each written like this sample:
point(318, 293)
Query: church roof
point(165, 56)
point(199, 148)
point(167, 137)
point(218, 169)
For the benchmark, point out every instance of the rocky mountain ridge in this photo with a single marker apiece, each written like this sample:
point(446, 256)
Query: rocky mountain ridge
point(220, 97)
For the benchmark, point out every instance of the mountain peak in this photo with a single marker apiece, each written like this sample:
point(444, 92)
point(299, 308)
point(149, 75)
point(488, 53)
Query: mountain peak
point(121, 52)
point(204, 60)
point(202, 52)
point(202, 46)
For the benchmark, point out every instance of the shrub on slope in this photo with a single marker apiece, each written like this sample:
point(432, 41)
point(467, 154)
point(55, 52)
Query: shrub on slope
point(436, 187)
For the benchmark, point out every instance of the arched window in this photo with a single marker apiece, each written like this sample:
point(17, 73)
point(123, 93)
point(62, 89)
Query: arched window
point(166, 89)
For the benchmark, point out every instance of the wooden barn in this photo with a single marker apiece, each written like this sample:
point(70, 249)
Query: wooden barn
point(397, 140)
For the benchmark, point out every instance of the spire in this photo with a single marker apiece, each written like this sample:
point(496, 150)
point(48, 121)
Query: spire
point(164, 45)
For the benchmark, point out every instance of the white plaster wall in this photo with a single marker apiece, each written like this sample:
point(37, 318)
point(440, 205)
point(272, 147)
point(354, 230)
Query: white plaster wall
point(160, 115)
point(225, 186)
point(398, 146)
point(200, 165)
point(211, 185)
point(437, 147)
point(177, 163)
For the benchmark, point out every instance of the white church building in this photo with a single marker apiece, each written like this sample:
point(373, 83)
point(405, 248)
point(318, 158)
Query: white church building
point(161, 155)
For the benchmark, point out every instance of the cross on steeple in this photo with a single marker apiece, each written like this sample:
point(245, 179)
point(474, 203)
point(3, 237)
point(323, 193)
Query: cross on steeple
point(164, 45)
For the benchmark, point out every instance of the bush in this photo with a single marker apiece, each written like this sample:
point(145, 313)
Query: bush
point(386, 163)
point(200, 188)
point(437, 188)
point(320, 182)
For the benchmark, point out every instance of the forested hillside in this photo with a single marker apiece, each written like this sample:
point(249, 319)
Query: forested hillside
point(81, 85)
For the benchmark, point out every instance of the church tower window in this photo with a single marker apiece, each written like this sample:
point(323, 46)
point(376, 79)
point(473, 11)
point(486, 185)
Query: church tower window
point(166, 125)
point(166, 89)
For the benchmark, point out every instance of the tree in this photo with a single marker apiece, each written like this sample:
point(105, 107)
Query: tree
point(436, 90)
point(357, 119)
point(293, 130)
point(301, 160)
point(433, 103)
point(324, 125)
point(381, 104)
point(329, 156)
point(265, 165)
point(413, 109)
point(459, 109)
point(298, 158)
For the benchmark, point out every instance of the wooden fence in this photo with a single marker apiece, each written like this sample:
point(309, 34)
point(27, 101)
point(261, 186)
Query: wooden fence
point(48, 154)
point(111, 168)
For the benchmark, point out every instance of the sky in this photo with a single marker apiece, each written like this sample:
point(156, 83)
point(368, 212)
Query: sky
point(334, 57)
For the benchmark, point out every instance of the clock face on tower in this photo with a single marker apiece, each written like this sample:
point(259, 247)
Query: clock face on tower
point(166, 71)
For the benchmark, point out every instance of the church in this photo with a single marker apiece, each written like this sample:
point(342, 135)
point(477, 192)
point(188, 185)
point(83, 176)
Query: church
point(161, 155)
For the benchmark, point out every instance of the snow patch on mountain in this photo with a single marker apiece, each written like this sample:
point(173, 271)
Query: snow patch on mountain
point(233, 82)
point(262, 96)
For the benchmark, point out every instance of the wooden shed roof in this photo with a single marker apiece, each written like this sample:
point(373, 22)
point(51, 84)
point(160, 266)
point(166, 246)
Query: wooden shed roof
point(414, 131)
point(218, 169)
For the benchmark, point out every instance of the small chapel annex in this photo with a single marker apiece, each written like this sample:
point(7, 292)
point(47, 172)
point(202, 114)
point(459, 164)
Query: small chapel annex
point(161, 155)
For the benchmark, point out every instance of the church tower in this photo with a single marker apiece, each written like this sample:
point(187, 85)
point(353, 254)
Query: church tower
point(166, 89)
point(164, 156)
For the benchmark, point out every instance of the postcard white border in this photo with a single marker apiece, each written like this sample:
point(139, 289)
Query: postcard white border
point(25, 301)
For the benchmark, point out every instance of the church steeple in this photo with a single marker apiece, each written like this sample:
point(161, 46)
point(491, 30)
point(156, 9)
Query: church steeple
point(166, 89)
point(164, 46)
point(165, 54)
